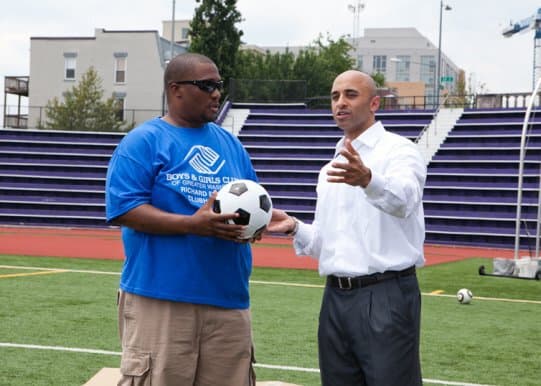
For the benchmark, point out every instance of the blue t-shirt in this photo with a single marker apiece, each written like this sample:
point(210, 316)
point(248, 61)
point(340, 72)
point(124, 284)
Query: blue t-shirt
point(176, 170)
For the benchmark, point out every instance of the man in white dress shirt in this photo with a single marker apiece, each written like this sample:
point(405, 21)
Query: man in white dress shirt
point(368, 235)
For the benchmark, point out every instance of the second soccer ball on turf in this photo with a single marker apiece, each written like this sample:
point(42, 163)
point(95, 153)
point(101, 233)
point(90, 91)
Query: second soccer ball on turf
point(250, 200)
point(464, 296)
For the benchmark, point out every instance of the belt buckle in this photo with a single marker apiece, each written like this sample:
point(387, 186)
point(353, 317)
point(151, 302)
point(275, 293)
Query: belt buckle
point(348, 282)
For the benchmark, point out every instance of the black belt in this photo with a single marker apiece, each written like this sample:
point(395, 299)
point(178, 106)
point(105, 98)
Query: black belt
point(349, 283)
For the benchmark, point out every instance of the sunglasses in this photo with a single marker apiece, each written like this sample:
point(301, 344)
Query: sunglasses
point(205, 85)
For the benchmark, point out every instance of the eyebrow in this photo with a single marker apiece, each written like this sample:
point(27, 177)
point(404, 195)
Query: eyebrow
point(347, 90)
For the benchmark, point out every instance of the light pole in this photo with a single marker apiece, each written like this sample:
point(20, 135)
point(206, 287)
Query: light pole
point(172, 31)
point(170, 52)
point(356, 9)
point(437, 81)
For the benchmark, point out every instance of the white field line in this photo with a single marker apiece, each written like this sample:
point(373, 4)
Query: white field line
point(59, 348)
point(450, 383)
point(277, 283)
point(285, 284)
point(274, 367)
point(490, 299)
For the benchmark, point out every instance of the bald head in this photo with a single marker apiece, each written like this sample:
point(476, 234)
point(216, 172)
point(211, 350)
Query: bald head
point(360, 79)
point(182, 66)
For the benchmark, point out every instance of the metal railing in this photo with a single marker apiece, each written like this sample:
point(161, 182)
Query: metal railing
point(425, 128)
point(16, 85)
point(34, 117)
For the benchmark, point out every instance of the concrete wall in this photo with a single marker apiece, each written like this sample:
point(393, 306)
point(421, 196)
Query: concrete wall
point(143, 86)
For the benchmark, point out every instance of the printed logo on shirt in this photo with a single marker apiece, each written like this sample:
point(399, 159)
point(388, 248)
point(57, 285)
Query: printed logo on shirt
point(198, 184)
point(197, 188)
point(204, 160)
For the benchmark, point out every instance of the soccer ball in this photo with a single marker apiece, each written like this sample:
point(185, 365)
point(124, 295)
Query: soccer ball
point(250, 200)
point(464, 296)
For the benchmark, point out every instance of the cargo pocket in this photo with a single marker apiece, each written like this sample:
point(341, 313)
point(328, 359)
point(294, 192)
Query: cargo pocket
point(135, 368)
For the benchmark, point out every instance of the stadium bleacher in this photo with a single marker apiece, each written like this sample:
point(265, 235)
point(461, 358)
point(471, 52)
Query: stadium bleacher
point(54, 178)
point(470, 196)
point(289, 146)
point(57, 178)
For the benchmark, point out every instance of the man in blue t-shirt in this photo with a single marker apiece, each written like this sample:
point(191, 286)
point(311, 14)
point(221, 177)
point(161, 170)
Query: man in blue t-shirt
point(184, 313)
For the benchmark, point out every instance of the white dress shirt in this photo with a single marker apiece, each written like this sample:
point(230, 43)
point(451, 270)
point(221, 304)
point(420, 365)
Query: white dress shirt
point(359, 231)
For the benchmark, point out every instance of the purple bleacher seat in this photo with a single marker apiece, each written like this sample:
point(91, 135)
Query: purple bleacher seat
point(473, 174)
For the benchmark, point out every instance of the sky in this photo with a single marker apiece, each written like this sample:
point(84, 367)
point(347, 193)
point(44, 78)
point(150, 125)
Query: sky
point(471, 31)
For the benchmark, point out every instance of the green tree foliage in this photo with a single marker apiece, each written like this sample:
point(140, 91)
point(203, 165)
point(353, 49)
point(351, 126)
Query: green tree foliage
point(379, 78)
point(83, 108)
point(321, 62)
point(460, 97)
point(267, 78)
point(213, 33)
point(315, 66)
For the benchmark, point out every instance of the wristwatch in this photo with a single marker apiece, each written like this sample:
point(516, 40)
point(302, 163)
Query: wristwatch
point(293, 232)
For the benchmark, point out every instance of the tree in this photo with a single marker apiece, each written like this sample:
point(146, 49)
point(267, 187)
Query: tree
point(83, 108)
point(460, 98)
point(379, 78)
point(317, 65)
point(214, 34)
point(321, 62)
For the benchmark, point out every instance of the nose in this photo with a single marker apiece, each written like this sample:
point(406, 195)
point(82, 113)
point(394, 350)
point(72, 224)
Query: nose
point(339, 100)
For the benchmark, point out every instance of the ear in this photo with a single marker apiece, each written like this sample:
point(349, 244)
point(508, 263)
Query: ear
point(374, 103)
point(174, 90)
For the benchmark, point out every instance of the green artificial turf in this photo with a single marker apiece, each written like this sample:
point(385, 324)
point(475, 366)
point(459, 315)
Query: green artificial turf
point(492, 341)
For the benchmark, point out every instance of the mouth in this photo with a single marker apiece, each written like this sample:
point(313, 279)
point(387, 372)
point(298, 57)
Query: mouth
point(341, 114)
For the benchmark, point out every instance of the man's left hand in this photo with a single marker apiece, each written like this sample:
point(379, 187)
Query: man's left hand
point(353, 172)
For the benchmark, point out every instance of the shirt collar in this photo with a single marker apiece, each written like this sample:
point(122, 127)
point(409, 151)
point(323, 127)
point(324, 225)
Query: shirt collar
point(368, 138)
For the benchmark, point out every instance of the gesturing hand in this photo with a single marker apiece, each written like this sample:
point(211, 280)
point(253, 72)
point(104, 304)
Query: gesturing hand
point(353, 172)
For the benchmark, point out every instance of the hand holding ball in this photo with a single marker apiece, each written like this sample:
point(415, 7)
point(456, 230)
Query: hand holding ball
point(250, 200)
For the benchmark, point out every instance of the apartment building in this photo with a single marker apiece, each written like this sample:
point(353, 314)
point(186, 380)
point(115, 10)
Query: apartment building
point(407, 59)
point(129, 63)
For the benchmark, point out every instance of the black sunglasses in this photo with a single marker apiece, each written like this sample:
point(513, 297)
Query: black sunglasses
point(206, 85)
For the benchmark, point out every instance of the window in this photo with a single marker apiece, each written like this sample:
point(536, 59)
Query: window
point(120, 103)
point(380, 64)
point(121, 61)
point(360, 62)
point(428, 71)
point(402, 68)
point(70, 62)
point(184, 33)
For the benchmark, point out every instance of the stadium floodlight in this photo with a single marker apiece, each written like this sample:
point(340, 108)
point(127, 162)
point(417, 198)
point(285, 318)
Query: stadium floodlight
point(356, 10)
point(437, 81)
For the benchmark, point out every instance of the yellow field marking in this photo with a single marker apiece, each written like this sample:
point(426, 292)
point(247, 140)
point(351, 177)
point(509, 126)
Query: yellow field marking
point(437, 292)
point(32, 273)
point(60, 269)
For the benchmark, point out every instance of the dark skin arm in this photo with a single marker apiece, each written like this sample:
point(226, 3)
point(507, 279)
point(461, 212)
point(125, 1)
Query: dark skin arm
point(204, 222)
point(353, 172)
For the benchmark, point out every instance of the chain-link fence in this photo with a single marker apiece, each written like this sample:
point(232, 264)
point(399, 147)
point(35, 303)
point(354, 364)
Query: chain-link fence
point(267, 91)
point(35, 117)
point(262, 91)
